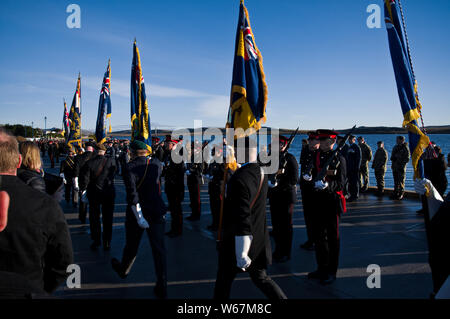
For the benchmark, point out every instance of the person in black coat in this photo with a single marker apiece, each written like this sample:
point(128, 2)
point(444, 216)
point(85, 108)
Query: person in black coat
point(194, 173)
point(353, 165)
point(246, 245)
point(282, 197)
point(67, 173)
point(30, 171)
point(215, 175)
point(97, 180)
point(80, 160)
point(329, 205)
point(35, 246)
point(145, 211)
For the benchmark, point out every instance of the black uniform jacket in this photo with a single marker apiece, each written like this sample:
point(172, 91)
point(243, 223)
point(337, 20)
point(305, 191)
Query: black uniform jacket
point(331, 198)
point(80, 160)
point(174, 174)
point(31, 178)
point(68, 167)
point(97, 176)
point(240, 220)
point(142, 182)
point(36, 241)
point(285, 189)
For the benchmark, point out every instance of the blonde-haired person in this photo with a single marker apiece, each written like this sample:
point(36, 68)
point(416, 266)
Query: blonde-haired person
point(30, 172)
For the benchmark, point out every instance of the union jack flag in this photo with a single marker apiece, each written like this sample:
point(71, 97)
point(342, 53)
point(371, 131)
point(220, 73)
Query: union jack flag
point(104, 107)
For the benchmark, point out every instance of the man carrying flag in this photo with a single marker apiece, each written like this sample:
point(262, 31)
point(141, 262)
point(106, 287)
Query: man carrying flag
point(246, 244)
point(66, 122)
point(104, 107)
point(75, 117)
point(436, 224)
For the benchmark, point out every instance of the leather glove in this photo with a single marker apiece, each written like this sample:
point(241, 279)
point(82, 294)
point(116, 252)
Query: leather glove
point(307, 177)
point(63, 177)
point(142, 222)
point(320, 185)
point(242, 247)
point(84, 198)
point(75, 184)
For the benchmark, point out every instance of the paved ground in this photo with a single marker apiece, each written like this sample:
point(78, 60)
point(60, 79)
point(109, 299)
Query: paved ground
point(373, 231)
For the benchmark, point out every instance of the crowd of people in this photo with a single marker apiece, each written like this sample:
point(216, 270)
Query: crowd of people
point(37, 241)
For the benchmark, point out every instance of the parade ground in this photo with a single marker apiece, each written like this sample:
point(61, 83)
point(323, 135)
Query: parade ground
point(374, 231)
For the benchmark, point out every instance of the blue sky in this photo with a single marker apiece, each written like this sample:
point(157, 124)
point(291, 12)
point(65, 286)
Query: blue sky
point(324, 67)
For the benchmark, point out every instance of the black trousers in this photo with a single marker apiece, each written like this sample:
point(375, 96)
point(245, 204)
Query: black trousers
point(175, 195)
point(194, 196)
point(104, 206)
point(353, 182)
point(155, 234)
point(281, 211)
point(214, 202)
point(308, 209)
point(82, 208)
point(326, 239)
point(227, 271)
point(69, 194)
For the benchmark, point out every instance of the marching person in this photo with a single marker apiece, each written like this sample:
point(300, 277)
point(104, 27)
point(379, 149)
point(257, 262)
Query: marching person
point(174, 187)
point(353, 165)
point(80, 160)
point(379, 165)
point(307, 186)
point(246, 244)
point(67, 173)
point(97, 183)
point(145, 211)
point(215, 175)
point(366, 157)
point(400, 157)
point(329, 205)
point(52, 149)
point(194, 179)
point(282, 198)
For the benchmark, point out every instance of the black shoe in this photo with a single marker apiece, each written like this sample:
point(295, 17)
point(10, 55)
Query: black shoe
point(193, 218)
point(328, 279)
point(106, 245)
point(315, 275)
point(95, 245)
point(308, 245)
point(117, 266)
point(160, 292)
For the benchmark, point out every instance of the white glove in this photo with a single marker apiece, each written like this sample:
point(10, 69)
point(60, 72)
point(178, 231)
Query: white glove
point(271, 185)
point(63, 177)
point(320, 185)
point(75, 184)
point(208, 177)
point(434, 199)
point(188, 172)
point(142, 222)
point(307, 177)
point(84, 198)
point(242, 246)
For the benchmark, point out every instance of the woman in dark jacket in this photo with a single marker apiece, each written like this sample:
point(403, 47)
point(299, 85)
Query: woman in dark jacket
point(30, 172)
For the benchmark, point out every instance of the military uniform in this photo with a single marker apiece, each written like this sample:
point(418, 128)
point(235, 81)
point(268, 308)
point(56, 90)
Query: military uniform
point(173, 174)
point(80, 160)
point(239, 219)
point(329, 205)
point(379, 166)
point(282, 198)
point(68, 169)
point(194, 179)
point(216, 171)
point(142, 181)
point(400, 156)
point(366, 157)
point(353, 166)
point(97, 178)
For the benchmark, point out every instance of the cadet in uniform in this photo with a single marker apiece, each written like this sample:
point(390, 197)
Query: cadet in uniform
point(145, 210)
point(329, 205)
point(379, 165)
point(282, 198)
point(194, 179)
point(400, 157)
point(97, 179)
point(246, 242)
point(353, 164)
point(366, 157)
point(174, 187)
point(67, 173)
point(80, 160)
point(216, 171)
point(307, 186)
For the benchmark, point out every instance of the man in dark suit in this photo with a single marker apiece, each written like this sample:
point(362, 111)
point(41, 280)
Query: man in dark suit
point(35, 245)
point(353, 166)
point(246, 243)
point(97, 180)
point(145, 210)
